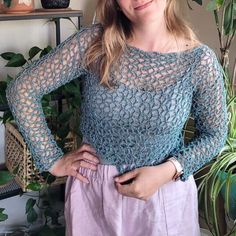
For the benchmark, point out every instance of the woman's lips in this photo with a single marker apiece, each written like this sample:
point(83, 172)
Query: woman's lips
point(141, 7)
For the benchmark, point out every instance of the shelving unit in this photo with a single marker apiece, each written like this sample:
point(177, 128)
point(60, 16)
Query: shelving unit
point(13, 189)
point(43, 14)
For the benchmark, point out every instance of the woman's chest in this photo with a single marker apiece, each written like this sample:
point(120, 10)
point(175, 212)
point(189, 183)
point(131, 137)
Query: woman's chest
point(159, 110)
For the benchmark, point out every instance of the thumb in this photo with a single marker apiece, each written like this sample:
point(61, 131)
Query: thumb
point(126, 176)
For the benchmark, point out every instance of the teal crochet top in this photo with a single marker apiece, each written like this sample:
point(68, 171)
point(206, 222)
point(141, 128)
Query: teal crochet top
point(140, 121)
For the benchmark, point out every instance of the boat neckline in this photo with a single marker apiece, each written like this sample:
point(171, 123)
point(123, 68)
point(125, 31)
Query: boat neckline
point(154, 53)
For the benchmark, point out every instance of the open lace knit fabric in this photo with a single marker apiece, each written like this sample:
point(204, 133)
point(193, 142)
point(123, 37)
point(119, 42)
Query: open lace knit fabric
point(140, 121)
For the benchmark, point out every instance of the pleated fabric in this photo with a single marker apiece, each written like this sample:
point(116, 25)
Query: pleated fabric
point(98, 209)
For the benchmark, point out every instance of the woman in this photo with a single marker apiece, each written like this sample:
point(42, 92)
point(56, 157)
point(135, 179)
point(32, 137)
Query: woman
point(144, 73)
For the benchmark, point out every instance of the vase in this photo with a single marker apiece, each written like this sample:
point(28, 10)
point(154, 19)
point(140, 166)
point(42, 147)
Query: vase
point(18, 6)
point(55, 4)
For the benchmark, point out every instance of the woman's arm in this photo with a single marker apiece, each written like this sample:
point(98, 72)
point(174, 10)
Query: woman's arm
point(210, 113)
point(24, 94)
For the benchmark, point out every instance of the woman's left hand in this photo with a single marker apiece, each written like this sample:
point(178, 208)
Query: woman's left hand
point(146, 180)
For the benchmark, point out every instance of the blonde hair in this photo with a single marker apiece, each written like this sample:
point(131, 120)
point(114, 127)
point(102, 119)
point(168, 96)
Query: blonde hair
point(111, 43)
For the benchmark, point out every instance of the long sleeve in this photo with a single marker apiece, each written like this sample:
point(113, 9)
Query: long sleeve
point(209, 110)
point(24, 94)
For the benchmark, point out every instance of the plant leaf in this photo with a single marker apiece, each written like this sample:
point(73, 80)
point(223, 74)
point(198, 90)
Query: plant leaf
point(7, 55)
point(228, 19)
point(16, 61)
point(45, 51)
point(3, 216)
point(5, 177)
point(29, 204)
point(33, 52)
point(7, 116)
point(32, 216)
point(34, 186)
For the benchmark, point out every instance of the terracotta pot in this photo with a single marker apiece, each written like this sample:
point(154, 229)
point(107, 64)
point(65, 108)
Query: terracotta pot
point(18, 6)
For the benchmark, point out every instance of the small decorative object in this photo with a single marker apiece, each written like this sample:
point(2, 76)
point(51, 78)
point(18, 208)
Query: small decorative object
point(19, 158)
point(17, 6)
point(55, 4)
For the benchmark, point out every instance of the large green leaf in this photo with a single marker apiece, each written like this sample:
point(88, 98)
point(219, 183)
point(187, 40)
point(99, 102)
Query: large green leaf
point(5, 177)
point(29, 204)
point(16, 61)
point(7, 55)
point(229, 19)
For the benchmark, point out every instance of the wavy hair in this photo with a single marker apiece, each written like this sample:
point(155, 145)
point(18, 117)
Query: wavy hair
point(117, 28)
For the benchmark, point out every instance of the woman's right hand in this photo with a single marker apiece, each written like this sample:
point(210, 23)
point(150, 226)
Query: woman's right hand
point(84, 156)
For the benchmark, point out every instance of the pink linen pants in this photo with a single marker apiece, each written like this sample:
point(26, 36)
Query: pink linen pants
point(97, 209)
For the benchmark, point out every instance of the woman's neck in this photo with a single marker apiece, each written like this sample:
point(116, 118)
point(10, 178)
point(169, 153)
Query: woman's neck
point(152, 37)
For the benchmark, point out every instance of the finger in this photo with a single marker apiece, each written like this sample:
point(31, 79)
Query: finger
point(124, 189)
point(127, 176)
point(87, 156)
point(85, 164)
point(86, 147)
point(78, 176)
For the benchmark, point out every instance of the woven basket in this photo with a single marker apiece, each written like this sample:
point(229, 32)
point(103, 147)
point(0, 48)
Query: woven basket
point(18, 156)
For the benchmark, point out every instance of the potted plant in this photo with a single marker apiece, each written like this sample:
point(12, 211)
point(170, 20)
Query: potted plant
point(17, 6)
point(216, 180)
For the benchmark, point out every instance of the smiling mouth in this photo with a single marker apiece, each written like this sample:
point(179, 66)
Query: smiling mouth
point(143, 6)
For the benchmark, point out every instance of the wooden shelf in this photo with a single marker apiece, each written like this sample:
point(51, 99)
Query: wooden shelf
point(41, 14)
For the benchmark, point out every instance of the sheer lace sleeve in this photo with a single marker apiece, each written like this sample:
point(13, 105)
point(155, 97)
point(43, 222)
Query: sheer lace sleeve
point(210, 113)
point(24, 94)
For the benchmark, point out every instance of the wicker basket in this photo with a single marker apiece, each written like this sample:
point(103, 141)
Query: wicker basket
point(18, 156)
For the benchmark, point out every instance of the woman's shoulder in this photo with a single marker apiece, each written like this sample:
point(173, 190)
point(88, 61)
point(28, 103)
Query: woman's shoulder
point(203, 54)
point(90, 30)
point(88, 34)
point(206, 56)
